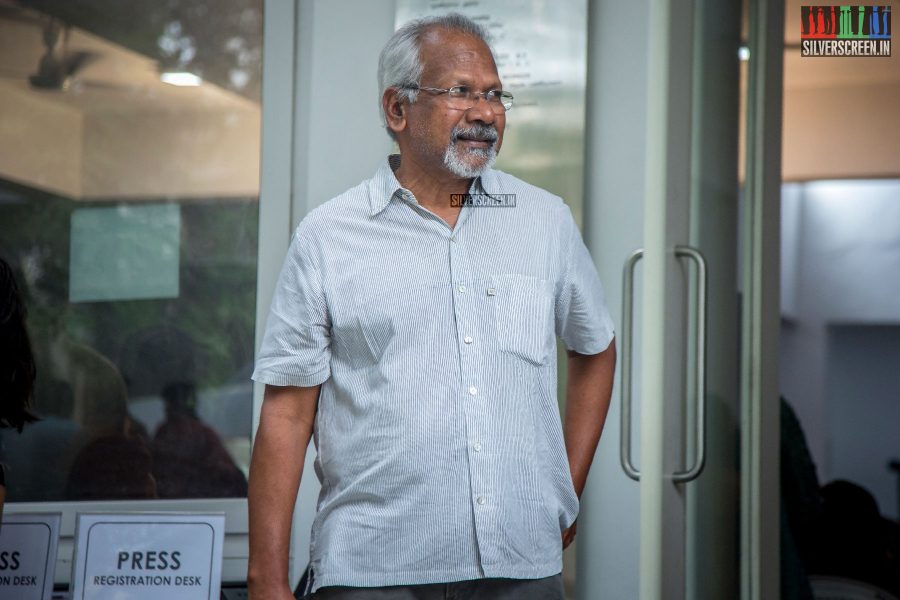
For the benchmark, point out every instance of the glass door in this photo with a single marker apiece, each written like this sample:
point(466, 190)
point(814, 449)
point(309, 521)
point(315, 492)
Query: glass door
point(681, 502)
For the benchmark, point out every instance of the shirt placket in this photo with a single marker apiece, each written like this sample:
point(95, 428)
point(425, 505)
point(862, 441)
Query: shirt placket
point(474, 398)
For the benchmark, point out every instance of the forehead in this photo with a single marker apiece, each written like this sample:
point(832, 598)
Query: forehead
point(456, 54)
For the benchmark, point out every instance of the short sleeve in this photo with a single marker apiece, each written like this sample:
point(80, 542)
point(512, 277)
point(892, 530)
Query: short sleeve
point(583, 321)
point(296, 346)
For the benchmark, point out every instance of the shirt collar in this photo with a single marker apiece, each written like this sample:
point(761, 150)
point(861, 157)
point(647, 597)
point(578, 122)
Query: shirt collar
point(384, 186)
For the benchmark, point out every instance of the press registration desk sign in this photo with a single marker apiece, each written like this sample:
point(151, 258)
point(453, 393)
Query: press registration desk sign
point(144, 556)
point(28, 555)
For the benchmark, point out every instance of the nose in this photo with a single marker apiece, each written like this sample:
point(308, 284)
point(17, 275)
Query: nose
point(481, 111)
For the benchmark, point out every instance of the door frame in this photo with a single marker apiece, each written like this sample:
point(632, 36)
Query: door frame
point(761, 312)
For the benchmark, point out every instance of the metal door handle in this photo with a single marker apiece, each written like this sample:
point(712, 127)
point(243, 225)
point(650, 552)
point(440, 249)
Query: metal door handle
point(699, 364)
point(627, 333)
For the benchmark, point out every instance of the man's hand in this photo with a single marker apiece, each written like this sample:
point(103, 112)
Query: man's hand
point(568, 536)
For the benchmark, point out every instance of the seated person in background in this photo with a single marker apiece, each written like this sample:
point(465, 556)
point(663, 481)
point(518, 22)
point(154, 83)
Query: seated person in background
point(853, 540)
point(801, 507)
point(189, 458)
point(114, 466)
point(17, 370)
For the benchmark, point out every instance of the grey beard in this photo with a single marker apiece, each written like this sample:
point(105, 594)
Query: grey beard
point(456, 163)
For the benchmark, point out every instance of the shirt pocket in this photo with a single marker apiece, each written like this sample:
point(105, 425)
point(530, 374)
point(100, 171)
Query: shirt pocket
point(523, 309)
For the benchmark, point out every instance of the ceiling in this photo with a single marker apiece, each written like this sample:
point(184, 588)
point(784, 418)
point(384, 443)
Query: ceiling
point(116, 131)
point(128, 46)
point(116, 79)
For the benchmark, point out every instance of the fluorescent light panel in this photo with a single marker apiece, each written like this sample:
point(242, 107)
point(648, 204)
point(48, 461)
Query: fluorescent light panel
point(181, 79)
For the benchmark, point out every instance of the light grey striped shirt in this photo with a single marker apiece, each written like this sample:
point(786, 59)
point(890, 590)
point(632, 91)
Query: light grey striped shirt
point(440, 447)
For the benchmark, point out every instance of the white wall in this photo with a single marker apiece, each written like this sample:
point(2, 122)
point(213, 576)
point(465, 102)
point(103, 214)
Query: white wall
point(841, 243)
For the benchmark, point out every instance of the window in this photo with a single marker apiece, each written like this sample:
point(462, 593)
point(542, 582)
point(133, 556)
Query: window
point(129, 209)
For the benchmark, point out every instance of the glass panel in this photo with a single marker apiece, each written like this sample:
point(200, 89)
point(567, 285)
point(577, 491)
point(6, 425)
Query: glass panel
point(129, 212)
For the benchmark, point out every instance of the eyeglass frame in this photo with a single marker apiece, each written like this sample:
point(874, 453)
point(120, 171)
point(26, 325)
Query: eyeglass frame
point(500, 94)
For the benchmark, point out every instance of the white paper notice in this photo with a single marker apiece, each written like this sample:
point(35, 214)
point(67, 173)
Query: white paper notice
point(28, 556)
point(148, 556)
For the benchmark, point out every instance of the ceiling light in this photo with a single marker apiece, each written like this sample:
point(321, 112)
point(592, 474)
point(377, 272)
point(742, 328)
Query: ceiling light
point(181, 78)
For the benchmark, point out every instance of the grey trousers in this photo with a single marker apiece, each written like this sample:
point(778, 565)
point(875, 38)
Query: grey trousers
point(548, 588)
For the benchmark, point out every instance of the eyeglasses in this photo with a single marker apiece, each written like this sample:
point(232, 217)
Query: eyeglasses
point(462, 97)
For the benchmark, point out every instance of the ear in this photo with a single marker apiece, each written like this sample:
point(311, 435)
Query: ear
point(394, 110)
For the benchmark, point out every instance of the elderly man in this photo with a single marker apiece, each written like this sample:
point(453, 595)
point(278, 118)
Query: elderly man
point(413, 334)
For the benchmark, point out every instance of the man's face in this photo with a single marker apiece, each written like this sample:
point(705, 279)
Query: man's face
point(461, 142)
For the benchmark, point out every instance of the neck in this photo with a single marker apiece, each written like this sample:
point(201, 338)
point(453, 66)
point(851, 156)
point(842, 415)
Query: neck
point(433, 188)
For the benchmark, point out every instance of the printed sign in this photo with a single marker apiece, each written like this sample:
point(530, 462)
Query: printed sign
point(148, 556)
point(28, 555)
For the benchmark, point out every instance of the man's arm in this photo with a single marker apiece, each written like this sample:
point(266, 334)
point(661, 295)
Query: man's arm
point(588, 390)
point(285, 426)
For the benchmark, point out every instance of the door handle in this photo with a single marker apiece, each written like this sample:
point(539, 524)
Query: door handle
point(699, 364)
point(627, 333)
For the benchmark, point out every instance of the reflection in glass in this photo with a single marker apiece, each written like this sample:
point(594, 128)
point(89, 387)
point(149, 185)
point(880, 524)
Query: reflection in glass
point(129, 207)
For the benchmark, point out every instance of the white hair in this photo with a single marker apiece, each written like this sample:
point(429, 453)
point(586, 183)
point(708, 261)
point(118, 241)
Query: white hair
point(400, 64)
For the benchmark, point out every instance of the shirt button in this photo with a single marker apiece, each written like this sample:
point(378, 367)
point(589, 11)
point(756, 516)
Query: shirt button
point(452, 238)
point(468, 339)
point(462, 288)
point(477, 446)
point(491, 291)
point(472, 390)
point(481, 500)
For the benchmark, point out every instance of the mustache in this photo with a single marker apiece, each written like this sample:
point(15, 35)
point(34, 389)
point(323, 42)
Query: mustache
point(478, 132)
